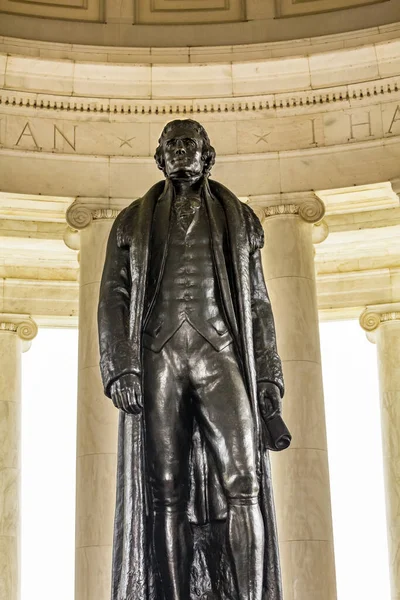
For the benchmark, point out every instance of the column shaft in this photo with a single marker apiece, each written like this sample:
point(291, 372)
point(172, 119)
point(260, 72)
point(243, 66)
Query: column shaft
point(10, 415)
point(96, 432)
point(388, 343)
point(301, 474)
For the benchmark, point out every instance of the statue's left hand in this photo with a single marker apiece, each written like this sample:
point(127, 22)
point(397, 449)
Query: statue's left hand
point(269, 399)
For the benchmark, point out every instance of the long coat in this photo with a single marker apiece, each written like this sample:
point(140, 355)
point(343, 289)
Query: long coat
point(123, 307)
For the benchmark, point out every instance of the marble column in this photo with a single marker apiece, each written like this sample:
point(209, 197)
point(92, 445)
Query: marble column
point(16, 333)
point(97, 419)
point(300, 474)
point(382, 324)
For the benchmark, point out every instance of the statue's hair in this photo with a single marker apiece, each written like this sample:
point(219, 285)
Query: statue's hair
point(208, 150)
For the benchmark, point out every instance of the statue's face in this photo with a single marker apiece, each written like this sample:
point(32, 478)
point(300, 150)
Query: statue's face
point(183, 148)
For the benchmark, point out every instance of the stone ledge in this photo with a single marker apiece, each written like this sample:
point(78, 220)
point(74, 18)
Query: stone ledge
point(306, 46)
point(213, 79)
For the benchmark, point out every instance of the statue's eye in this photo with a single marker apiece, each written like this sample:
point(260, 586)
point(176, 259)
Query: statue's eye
point(190, 142)
point(170, 143)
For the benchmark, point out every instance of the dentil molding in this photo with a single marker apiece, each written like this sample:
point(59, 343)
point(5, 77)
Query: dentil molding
point(45, 100)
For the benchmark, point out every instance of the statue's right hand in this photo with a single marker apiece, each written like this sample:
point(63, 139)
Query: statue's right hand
point(126, 393)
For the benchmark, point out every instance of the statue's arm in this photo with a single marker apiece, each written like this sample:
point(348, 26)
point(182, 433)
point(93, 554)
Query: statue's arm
point(268, 363)
point(116, 356)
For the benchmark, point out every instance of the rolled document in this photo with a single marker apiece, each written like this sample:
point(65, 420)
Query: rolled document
point(277, 435)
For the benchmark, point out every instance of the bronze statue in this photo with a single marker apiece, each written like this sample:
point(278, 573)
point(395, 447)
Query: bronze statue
point(188, 355)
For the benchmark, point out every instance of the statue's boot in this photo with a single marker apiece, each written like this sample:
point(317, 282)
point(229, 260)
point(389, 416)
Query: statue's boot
point(174, 549)
point(246, 546)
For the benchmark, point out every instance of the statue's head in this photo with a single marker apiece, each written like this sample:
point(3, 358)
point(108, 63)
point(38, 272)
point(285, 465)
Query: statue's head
point(184, 150)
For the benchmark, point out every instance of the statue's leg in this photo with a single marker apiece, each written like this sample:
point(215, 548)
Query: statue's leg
point(168, 435)
point(222, 407)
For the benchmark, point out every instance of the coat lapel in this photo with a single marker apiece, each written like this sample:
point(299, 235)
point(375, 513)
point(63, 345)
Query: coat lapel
point(239, 247)
point(217, 242)
point(159, 236)
point(139, 257)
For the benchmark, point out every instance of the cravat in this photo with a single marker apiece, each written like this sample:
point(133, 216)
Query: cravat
point(185, 209)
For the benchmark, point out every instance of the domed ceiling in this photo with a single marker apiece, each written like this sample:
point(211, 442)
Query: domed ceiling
point(190, 22)
point(173, 11)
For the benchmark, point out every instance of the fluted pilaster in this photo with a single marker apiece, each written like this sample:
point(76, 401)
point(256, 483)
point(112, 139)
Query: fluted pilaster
point(300, 474)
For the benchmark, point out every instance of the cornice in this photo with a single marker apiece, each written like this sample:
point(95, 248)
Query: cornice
point(369, 92)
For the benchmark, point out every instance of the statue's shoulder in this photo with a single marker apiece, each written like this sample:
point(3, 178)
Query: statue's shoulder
point(123, 223)
point(254, 228)
point(127, 218)
point(252, 223)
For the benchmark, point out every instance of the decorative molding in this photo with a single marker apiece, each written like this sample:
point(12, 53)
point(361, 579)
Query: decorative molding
point(391, 316)
point(374, 316)
point(22, 325)
point(291, 8)
point(312, 210)
point(191, 11)
point(182, 7)
point(5, 326)
point(281, 209)
point(105, 213)
point(260, 102)
point(78, 10)
point(309, 207)
point(370, 321)
point(79, 216)
point(55, 3)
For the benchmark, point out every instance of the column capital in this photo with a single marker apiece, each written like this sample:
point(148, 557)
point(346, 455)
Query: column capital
point(372, 317)
point(23, 325)
point(307, 205)
point(82, 212)
point(395, 183)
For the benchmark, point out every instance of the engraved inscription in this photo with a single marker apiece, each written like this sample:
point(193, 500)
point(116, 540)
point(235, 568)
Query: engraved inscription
point(355, 127)
point(27, 133)
point(262, 138)
point(126, 141)
point(395, 119)
point(314, 141)
point(250, 135)
point(61, 134)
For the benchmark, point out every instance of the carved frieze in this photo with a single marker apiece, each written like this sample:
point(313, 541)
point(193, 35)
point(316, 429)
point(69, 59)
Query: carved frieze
point(250, 132)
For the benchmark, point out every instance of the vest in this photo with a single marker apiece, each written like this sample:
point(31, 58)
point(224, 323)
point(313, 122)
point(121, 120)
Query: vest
point(188, 290)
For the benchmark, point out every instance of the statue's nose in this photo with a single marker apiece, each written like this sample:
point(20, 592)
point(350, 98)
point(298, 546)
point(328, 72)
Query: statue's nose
point(180, 148)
